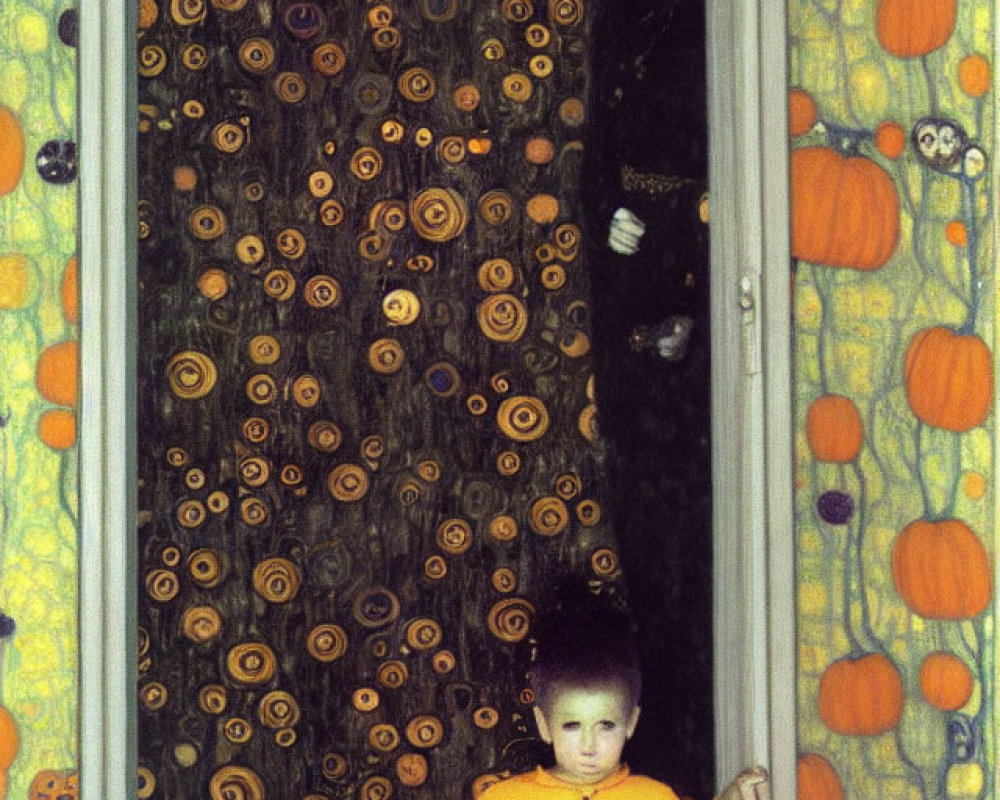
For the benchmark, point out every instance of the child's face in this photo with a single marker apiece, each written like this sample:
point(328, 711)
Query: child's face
point(587, 728)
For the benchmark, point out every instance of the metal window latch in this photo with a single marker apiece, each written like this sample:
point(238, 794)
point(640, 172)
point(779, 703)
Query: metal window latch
point(749, 323)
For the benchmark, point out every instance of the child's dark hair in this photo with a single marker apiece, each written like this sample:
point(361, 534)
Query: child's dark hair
point(584, 641)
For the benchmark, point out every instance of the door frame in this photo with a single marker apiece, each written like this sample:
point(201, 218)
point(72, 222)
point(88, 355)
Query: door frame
point(753, 523)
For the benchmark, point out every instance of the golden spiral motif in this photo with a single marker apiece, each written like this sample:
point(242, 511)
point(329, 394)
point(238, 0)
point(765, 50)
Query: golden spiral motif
point(566, 12)
point(322, 291)
point(201, 624)
point(347, 482)
point(213, 283)
point(476, 404)
point(190, 513)
point(575, 344)
point(604, 562)
point(523, 418)
point(537, 35)
point(549, 516)
point(454, 536)
point(495, 275)
point(372, 447)
point(567, 238)
point(207, 222)
point(217, 501)
point(502, 318)
point(387, 38)
point(377, 645)
point(553, 277)
point(250, 250)
point(291, 243)
point(438, 215)
point(429, 471)
point(279, 284)
point(380, 16)
point(291, 475)
point(510, 619)
point(324, 436)
point(254, 511)
point(541, 66)
point(518, 87)
point(327, 642)
point(256, 429)
point(383, 737)
point(306, 391)
point(485, 717)
point(277, 580)
point(517, 10)
point(451, 150)
point(329, 59)
point(508, 463)
point(504, 580)
point(212, 698)
point(392, 674)
point(417, 84)
point(261, 389)
point(228, 137)
point(443, 662)
point(333, 765)
point(236, 783)
point(423, 634)
point(162, 585)
point(255, 471)
point(545, 252)
point(278, 709)
point(409, 492)
point(153, 695)
point(290, 87)
point(588, 512)
point(366, 163)
point(251, 663)
point(587, 422)
point(425, 730)
point(420, 263)
point(568, 486)
point(187, 12)
point(152, 60)
point(365, 699)
point(373, 246)
point(435, 567)
point(264, 349)
point(171, 556)
point(493, 50)
point(411, 769)
point(204, 568)
point(386, 356)
point(495, 207)
point(376, 607)
point(331, 213)
point(191, 374)
point(237, 730)
point(256, 55)
point(503, 528)
point(285, 737)
point(320, 183)
point(192, 109)
point(392, 131)
point(376, 787)
point(194, 478)
point(401, 307)
point(254, 191)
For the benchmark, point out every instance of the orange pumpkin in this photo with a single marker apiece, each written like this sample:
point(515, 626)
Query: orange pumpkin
point(833, 428)
point(945, 681)
point(861, 695)
point(949, 378)
point(11, 151)
point(941, 570)
point(909, 28)
point(801, 112)
point(817, 779)
point(845, 209)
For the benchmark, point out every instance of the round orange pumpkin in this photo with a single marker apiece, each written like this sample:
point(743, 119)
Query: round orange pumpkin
point(909, 28)
point(845, 209)
point(949, 378)
point(833, 428)
point(817, 779)
point(801, 112)
point(945, 681)
point(941, 570)
point(11, 151)
point(861, 695)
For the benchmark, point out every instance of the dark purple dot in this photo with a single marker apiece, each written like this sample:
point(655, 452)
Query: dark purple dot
point(440, 380)
point(835, 507)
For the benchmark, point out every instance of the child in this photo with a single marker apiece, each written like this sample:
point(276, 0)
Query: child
point(586, 681)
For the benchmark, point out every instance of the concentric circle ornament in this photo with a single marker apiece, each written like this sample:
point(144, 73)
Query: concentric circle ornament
point(439, 10)
point(324, 436)
point(306, 391)
point(227, 137)
point(444, 662)
point(152, 60)
point(291, 243)
point(191, 374)
point(549, 516)
point(392, 674)
point(278, 709)
point(264, 349)
point(523, 418)
point(154, 695)
point(443, 379)
point(438, 214)
point(376, 607)
point(417, 84)
point(261, 389)
point(277, 580)
point(517, 87)
point(254, 511)
point(145, 784)
point(327, 642)
point(425, 731)
point(304, 20)
point(508, 463)
point(201, 624)
point(510, 619)
point(333, 765)
point(290, 87)
point(502, 318)
point(212, 698)
point(500, 382)
point(256, 430)
point(517, 10)
point(347, 482)
point(504, 580)
point(250, 250)
point(429, 470)
point(423, 634)
point(365, 699)
point(205, 568)
point(366, 163)
point(383, 737)
point(604, 562)
point(401, 307)
point(233, 782)
point(256, 55)
point(588, 512)
point(279, 284)
point(322, 291)
point(503, 528)
point(485, 717)
point(238, 731)
point(329, 59)
point(568, 485)
point(454, 536)
point(575, 344)
point(188, 12)
point(377, 787)
point(255, 471)
point(566, 12)
point(496, 207)
point(191, 513)
point(567, 239)
point(435, 567)
point(495, 275)
point(251, 663)
point(386, 356)
point(162, 585)
point(331, 213)
point(207, 222)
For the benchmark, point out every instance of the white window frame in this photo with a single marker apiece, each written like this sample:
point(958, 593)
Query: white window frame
point(754, 592)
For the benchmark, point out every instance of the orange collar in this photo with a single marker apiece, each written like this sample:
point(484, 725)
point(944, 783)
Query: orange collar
point(545, 778)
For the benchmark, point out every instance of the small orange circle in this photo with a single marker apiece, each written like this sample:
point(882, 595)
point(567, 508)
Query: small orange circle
point(974, 75)
point(890, 139)
point(956, 233)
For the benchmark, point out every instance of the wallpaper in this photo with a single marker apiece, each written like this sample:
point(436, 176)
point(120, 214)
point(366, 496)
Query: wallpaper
point(890, 111)
point(38, 398)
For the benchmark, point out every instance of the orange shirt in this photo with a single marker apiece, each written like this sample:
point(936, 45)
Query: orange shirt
point(540, 785)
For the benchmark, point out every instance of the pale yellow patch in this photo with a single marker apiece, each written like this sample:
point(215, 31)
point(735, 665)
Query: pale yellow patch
point(32, 32)
point(964, 781)
point(812, 599)
point(870, 89)
point(13, 84)
point(13, 281)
